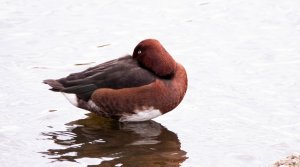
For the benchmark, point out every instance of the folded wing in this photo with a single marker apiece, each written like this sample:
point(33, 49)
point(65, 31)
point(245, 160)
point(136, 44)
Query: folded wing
point(120, 73)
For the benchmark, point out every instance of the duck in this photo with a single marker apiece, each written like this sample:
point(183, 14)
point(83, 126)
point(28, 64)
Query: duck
point(132, 88)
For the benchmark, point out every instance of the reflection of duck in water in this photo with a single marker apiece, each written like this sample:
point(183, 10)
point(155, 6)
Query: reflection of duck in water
point(146, 144)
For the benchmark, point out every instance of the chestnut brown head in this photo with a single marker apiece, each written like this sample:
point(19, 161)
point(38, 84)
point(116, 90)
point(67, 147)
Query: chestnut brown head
point(153, 56)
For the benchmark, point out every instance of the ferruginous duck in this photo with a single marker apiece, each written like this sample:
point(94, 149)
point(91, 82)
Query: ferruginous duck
point(132, 88)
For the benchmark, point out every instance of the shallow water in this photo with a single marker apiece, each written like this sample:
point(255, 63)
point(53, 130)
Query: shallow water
point(241, 108)
point(129, 144)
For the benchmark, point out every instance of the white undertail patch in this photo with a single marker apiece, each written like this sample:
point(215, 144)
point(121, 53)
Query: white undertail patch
point(144, 114)
point(93, 106)
point(72, 98)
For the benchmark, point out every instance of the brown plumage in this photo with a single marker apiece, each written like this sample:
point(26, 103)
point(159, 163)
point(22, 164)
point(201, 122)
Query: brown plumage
point(131, 88)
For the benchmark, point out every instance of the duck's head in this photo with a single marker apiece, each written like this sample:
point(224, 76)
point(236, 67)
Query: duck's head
point(153, 56)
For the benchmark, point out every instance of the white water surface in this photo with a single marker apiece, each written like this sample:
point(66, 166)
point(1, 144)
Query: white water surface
point(242, 107)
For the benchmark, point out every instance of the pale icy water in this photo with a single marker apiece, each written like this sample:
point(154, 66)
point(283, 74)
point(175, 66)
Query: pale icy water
point(242, 107)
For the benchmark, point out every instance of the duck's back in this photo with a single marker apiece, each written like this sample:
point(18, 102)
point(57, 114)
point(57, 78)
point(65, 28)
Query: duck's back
point(120, 73)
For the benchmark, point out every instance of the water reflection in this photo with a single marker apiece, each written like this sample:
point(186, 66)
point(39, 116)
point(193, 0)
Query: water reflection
point(131, 144)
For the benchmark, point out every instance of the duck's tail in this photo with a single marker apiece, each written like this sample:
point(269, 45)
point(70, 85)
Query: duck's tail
point(56, 86)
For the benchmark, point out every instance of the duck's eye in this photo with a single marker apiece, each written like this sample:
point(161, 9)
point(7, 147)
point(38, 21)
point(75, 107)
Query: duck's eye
point(139, 52)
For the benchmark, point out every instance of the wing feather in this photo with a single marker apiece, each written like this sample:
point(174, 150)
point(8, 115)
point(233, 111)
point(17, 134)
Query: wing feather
point(120, 73)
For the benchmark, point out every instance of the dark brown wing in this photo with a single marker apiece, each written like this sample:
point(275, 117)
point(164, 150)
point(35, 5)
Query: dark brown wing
point(120, 73)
